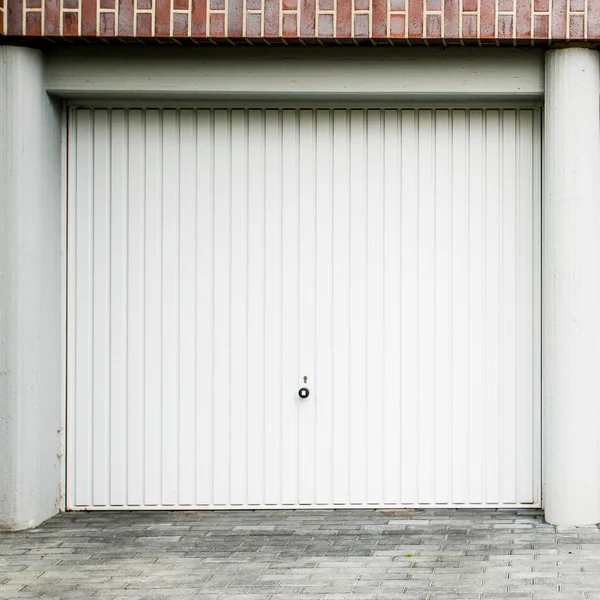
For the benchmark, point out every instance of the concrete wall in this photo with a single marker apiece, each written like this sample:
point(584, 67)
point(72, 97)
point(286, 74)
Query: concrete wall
point(571, 288)
point(30, 293)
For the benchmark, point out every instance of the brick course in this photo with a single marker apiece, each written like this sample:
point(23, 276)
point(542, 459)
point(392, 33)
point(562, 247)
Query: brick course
point(522, 22)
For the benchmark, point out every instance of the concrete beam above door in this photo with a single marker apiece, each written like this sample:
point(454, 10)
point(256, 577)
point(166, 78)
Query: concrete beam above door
point(265, 75)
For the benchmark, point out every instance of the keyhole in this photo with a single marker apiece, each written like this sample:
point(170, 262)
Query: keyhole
point(305, 379)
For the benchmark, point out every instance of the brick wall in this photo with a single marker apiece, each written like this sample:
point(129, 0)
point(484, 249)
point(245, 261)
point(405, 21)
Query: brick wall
point(309, 21)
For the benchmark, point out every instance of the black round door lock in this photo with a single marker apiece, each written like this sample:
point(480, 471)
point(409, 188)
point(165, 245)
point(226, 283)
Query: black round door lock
point(303, 392)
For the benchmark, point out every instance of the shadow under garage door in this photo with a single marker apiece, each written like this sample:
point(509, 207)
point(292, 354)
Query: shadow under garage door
point(387, 260)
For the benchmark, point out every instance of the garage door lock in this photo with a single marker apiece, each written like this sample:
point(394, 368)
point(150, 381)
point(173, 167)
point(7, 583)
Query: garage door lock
point(304, 392)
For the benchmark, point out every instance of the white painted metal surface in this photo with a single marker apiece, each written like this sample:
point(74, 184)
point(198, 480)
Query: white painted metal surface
point(216, 257)
point(572, 288)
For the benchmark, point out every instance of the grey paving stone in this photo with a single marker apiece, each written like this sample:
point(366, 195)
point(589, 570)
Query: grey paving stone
point(433, 554)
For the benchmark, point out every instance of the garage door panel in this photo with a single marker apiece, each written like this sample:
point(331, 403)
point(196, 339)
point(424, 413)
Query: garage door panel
point(81, 297)
point(170, 308)
point(152, 340)
point(256, 306)
point(424, 198)
point(374, 397)
point(290, 404)
point(526, 319)
point(341, 307)
point(118, 308)
point(443, 308)
point(409, 303)
point(135, 300)
point(392, 292)
point(217, 257)
point(205, 314)
point(476, 327)
point(324, 299)
point(239, 317)
point(306, 300)
point(492, 373)
point(186, 326)
point(357, 299)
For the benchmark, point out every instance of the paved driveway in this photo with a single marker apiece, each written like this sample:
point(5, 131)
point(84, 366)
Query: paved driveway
point(294, 555)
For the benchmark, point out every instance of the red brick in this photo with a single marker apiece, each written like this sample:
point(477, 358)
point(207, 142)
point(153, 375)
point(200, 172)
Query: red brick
point(51, 17)
point(415, 19)
point(180, 25)
point(397, 5)
point(344, 19)
point(523, 19)
point(253, 25)
point(559, 19)
point(451, 19)
point(577, 27)
point(541, 27)
point(361, 26)
point(271, 17)
point(162, 23)
point(326, 26)
point(107, 24)
point(326, 5)
point(33, 23)
point(14, 17)
point(541, 5)
point(380, 19)
point(434, 26)
point(125, 24)
point(307, 18)
point(487, 18)
point(217, 25)
point(593, 21)
point(505, 26)
point(70, 23)
point(198, 18)
point(397, 26)
point(235, 19)
point(144, 24)
point(89, 11)
point(289, 25)
point(469, 24)
point(577, 5)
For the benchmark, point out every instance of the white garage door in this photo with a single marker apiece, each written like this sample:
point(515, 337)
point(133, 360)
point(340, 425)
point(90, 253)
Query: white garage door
point(219, 257)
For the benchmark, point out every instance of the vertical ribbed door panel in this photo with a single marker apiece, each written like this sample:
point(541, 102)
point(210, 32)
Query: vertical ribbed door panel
point(219, 257)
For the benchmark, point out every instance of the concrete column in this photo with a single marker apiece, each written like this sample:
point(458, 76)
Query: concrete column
point(571, 288)
point(30, 293)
